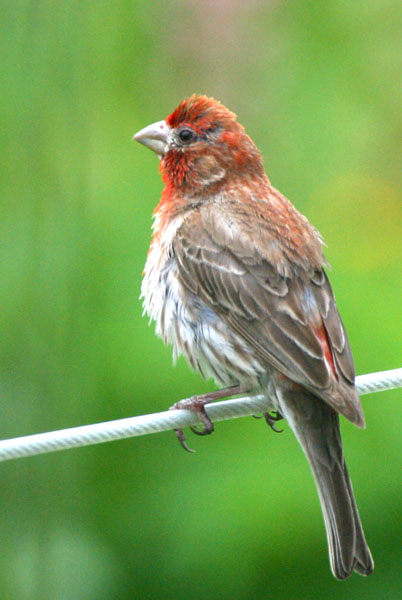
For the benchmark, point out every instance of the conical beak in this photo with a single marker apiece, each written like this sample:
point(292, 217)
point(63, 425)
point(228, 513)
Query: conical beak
point(155, 137)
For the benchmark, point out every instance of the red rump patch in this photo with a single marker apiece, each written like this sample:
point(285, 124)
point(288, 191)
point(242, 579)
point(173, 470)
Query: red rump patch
point(322, 336)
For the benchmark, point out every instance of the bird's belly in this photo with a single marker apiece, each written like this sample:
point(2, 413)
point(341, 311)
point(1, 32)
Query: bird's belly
point(196, 331)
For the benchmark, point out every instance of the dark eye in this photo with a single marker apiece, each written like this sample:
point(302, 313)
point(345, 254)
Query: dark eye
point(186, 135)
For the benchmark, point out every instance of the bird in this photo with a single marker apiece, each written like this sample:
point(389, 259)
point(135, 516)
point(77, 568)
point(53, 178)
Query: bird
point(235, 281)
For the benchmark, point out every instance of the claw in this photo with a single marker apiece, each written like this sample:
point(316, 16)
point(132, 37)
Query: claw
point(182, 439)
point(206, 430)
point(208, 426)
point(271, 419)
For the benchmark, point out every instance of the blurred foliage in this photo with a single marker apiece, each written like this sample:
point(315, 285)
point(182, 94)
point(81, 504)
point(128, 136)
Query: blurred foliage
point(317, 85)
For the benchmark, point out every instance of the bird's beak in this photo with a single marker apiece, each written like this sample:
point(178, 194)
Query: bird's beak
point(155, 137)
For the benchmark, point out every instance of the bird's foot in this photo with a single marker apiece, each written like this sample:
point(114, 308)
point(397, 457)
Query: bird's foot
point(271, 418)
point(197, 404)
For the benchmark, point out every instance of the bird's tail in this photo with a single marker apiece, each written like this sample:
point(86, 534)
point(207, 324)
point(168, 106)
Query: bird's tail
point(316, 426)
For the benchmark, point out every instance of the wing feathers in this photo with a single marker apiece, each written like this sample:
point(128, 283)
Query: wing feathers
point(277, 315)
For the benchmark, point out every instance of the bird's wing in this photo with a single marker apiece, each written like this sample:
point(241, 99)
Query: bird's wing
point(291, 321)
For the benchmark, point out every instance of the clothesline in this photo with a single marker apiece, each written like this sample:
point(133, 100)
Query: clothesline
point(98, 433)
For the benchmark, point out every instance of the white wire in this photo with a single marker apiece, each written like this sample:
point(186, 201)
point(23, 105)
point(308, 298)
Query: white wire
point(98, 433)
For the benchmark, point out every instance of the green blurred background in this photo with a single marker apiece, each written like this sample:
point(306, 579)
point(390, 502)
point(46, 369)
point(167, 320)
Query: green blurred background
point(317, 85)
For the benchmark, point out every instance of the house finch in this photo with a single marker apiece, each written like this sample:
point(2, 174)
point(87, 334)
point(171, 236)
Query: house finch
point(234, 280)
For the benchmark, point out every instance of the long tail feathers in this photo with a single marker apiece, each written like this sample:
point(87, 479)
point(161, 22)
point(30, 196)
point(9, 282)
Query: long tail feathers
point(316, 426)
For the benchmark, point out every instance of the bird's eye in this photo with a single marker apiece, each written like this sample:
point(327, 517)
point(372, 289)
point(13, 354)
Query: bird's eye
point(186, 135)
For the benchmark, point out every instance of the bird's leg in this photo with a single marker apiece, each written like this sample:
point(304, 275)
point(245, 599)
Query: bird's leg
point(197, 405)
